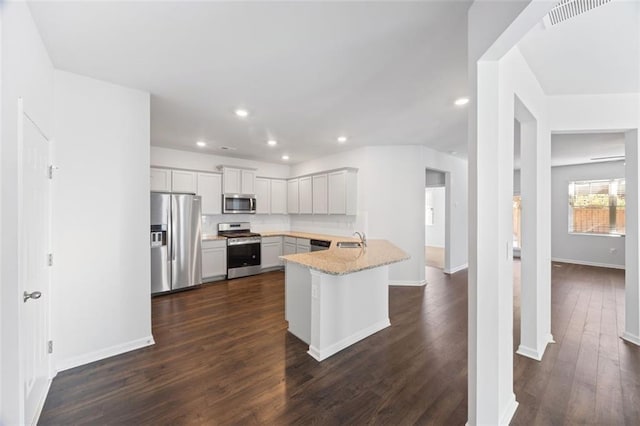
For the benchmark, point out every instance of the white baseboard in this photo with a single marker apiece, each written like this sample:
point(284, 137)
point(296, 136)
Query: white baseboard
point(322, 354)
point(587, 263)
point(40, 405)
point(529, 353)
point(455, 269)
point(509, 411)
point(631, 338)
point(536, 354)
point(104, 353)
point(408, 283)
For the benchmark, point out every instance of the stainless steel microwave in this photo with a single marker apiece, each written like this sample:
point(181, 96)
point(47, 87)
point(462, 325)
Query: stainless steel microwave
point(239, 203)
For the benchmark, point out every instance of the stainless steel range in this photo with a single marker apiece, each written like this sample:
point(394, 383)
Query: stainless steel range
point(243, 249)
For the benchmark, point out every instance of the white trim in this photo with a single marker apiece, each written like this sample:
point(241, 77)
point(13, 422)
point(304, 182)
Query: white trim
point(535, 353)
point(631, 338)
point(408, 283)
point(40, 405)
point(587, 263)
point(325, 353)
point(509, 410)
point(455, 269)
point(104, 353)
point(529, 353)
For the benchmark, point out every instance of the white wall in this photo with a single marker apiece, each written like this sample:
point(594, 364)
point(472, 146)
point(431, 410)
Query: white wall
point(27, 72)
point(390, 201)
point(583, 249)
point(101, 273)
point(434, 233)
point(391, 183)
point(457, 206)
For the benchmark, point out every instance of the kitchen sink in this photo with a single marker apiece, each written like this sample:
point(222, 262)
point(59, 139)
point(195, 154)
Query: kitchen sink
point(349, 244)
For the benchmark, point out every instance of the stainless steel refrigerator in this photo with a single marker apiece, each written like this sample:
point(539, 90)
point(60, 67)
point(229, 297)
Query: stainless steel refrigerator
point(176, 255)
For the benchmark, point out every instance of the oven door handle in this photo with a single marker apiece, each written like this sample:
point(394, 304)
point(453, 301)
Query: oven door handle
point(242, 243)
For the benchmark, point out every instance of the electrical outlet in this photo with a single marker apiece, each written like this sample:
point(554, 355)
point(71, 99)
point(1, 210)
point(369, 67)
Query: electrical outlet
point(612, 250)
point(314, 291)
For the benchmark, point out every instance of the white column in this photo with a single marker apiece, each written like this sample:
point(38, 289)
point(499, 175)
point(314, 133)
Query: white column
point(491, 398)
point(632, 252)
point(535, 178)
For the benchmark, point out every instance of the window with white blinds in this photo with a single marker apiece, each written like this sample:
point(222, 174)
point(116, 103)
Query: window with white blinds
point(597, 207)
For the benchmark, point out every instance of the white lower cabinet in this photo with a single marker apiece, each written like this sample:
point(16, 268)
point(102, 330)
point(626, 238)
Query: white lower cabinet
point(289, 245)
point(303, 245)
point(271, 251)
point(214, 259)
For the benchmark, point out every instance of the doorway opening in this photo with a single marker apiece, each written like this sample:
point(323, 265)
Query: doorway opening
point(435, 219)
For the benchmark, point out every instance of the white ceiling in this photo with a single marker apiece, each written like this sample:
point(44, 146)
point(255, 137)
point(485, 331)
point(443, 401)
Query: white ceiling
point(596, 52)
point(578, 148)
point(380, 72)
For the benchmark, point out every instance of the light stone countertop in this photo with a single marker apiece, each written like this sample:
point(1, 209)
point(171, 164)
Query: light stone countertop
point(342, 261)
point(296, 234)
point(212, 237)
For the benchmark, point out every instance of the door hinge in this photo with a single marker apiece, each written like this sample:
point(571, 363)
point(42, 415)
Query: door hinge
point(52, 168)
point(50, 259)
point(50, 346)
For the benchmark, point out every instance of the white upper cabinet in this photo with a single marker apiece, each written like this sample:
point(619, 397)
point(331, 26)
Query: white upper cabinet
point(183, 181)
point(278, 196)
point(160, 180)
point(342, 192)
point(238, 181)
point(320, 205)
point(248, 182)
point(231, 179)
point(292, 196)
point(210, 189)
point(305, 196)
point(263, 195)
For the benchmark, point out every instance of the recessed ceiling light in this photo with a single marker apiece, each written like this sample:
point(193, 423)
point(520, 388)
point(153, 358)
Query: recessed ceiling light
point(201, 144)
point(285, 157)
point(272, 142)
point(242, 113)
point(461, 101)
point(342, 139)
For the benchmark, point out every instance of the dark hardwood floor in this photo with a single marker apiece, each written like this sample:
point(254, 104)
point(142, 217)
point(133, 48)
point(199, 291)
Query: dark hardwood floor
point(223, 356)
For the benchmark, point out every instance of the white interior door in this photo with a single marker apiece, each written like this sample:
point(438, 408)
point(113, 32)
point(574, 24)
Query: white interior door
point(34, 212)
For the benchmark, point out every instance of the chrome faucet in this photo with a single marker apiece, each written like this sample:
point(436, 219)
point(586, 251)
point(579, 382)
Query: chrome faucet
point(362, 236)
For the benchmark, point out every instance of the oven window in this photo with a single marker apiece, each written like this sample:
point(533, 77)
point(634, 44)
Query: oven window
point(243, 255)
point(240, 204)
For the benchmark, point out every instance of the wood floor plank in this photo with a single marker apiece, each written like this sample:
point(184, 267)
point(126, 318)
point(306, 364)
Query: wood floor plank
point(223, 356)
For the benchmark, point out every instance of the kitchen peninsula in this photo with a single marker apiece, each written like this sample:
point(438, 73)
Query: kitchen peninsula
point(337, 297)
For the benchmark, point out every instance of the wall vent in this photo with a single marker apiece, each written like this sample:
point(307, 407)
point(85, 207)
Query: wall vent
point(567, 9)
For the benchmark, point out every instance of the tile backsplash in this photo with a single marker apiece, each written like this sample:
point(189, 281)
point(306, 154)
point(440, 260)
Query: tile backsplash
point(330, 225)
point(258, 222)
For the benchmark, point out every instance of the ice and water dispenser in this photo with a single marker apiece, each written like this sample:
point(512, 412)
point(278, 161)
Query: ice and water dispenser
point(158, 235)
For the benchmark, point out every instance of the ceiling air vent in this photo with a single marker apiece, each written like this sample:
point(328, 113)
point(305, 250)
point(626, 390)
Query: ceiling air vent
point(567, 9)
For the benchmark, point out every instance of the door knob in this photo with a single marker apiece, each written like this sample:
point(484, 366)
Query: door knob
point(34, 295)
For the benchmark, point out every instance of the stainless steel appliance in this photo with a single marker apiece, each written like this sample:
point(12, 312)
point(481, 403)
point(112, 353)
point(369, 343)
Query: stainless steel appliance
point(243, 249)
point(317, 245)
point(239, 203)
point(176, 255)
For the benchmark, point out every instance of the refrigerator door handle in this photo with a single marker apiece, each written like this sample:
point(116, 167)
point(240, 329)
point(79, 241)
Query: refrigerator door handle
point(172, 214)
